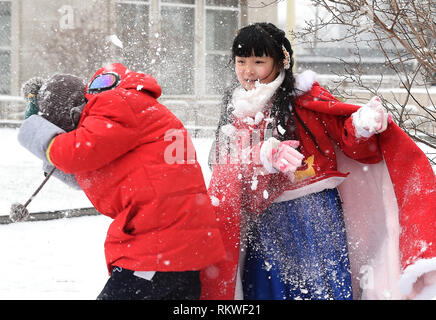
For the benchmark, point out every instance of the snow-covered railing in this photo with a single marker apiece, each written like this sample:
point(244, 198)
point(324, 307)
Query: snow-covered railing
point(8, 98)
point(51, 215)
point(11, 107)
point(200, 116)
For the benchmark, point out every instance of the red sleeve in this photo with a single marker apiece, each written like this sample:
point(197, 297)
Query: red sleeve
point(341, 130)
point(107, 131)
point(337, 121)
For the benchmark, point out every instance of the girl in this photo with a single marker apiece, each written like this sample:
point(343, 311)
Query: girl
point(275, 181)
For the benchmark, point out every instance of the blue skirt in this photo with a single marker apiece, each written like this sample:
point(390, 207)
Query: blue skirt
point(298, 250)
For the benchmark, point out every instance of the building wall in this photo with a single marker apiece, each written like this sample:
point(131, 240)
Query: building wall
point(70, 36)
point(258, 11)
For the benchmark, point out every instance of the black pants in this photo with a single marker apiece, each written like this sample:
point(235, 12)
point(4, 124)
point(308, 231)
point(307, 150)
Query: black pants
point(123, 285)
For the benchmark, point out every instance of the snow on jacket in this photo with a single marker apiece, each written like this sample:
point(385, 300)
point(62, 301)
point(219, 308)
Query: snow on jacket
point(163, 219)
point(386, 183)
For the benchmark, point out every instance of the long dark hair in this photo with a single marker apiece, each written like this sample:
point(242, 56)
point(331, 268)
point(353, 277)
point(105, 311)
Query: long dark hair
point(265, 39)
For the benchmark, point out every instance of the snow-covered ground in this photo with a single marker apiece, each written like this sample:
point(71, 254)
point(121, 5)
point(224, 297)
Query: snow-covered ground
point(57, 259)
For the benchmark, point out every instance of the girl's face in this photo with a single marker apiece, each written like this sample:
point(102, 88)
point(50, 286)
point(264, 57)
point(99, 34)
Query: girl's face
point(250, 69)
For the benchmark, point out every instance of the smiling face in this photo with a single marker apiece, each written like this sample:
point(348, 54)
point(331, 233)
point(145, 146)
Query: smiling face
point(250, 69)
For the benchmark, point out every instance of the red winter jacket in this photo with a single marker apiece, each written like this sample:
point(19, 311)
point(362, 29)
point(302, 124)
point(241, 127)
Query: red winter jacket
point(163, 219)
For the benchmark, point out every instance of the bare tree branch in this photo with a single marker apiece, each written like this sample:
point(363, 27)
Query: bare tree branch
point(403, 33)
point(263, 4)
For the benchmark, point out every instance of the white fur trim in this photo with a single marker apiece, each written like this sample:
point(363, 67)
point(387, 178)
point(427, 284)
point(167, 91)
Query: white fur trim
point(318, 186)
point(265, 150)
point(413, 272)
point(428, 293)
point(304, 81)
point(247, 103)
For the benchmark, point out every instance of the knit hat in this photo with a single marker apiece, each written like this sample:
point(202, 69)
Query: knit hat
point(60, 99)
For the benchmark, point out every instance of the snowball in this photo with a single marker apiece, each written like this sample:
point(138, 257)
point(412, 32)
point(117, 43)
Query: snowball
point(258, 117)
point(281, 129)
point(254, 183)
point(115, 40)
point(212, 272)
point(215, 201)
point(265, 194)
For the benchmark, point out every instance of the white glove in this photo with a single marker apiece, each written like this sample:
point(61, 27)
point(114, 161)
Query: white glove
point(370, 119)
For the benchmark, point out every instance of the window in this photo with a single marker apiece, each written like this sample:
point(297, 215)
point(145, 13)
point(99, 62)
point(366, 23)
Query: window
point(176, 70)
point(133, 29)
point(222, 22)
point(185, 44)
point(5, 47)
point(179, 1)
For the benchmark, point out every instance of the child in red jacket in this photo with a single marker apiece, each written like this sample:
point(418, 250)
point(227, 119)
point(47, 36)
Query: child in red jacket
point(121, 156)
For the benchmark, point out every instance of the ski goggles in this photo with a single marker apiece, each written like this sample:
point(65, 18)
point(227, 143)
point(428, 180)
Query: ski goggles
point(103, 82)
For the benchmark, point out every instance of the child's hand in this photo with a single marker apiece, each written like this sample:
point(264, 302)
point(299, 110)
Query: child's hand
point(281, 156)
point(371, 119)
point(285, 158)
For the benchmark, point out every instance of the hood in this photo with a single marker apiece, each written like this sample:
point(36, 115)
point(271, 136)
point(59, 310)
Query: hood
point(130, 80)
